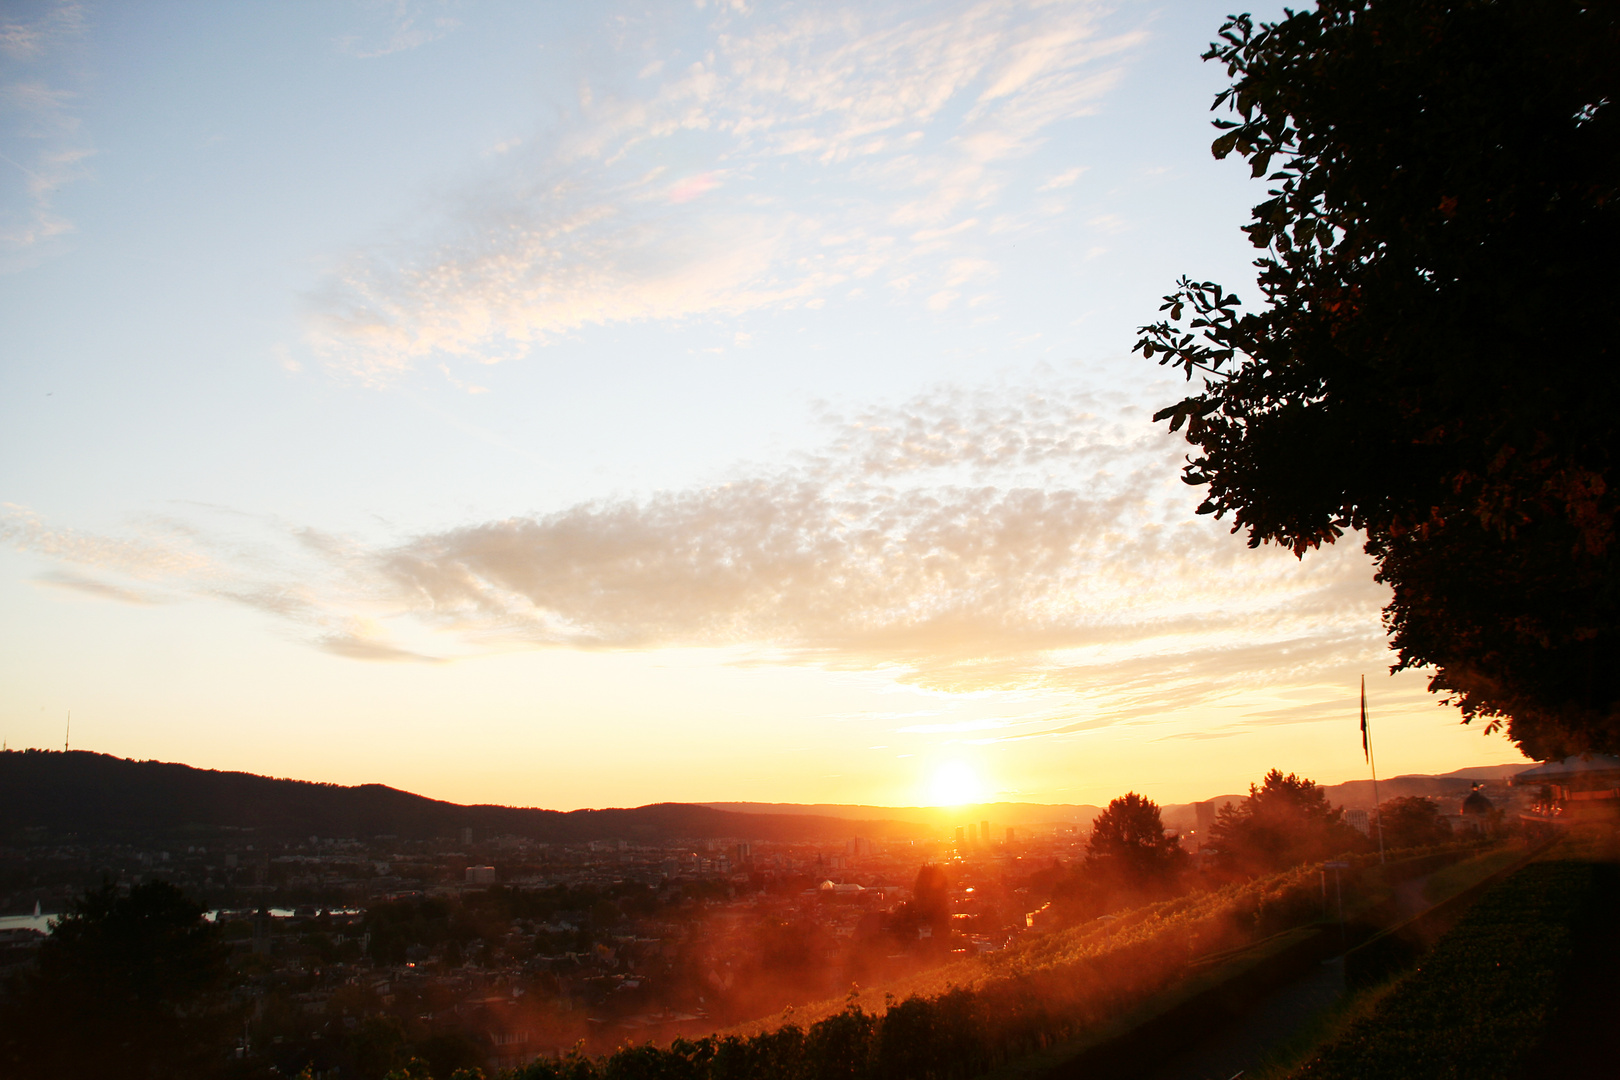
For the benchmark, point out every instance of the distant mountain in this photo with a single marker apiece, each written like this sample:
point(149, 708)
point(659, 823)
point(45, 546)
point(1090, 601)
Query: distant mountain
point(1484, 772)
point(1351, 795)
point(1444, 788)
point(98, 796)
point(939, 818)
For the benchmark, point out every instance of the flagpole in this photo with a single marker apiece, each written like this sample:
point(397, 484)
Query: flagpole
point(1372, 762)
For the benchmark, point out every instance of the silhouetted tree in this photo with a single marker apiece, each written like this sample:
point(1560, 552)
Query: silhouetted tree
point(1412, 821)
point(1129, 859)
point(1431, 366)
point(1128, 844)
point(930, 894)
point(1283, 822)
point(930, 905)
point(378, 1046)
point(126, 986)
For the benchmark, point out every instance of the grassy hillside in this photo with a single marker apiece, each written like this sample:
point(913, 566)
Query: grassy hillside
point(1161, 937)
point(1481, 1000)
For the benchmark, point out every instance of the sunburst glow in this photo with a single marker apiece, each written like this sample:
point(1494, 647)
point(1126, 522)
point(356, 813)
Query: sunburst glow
point(955, 783)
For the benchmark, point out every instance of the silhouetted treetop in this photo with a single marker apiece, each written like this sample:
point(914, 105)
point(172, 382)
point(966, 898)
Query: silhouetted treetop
point(1412, 821)
point(128, 986)
point(1432, 363)
point(1128, 840)
point(1285, 821)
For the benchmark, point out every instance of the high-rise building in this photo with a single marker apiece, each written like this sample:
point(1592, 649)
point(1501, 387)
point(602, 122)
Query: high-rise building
point(961, 836)
point(261, 932)
point(1203, 821)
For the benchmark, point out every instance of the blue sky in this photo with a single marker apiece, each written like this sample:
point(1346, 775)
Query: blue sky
point(598, 404)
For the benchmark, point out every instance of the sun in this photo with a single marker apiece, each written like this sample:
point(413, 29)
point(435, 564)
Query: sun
point(955, 784)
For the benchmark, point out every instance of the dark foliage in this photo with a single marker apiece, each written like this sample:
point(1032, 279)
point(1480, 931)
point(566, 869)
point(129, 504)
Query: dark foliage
point(127, 986)
point(1129, 852)
point(1412, 821)
point(928, 909)
point(379, 1045)
point(1130, 860)
point(930, 895)
point(1432, 365)
point(1284, 822)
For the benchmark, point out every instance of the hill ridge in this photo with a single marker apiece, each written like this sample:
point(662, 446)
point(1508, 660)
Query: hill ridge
point(88, 794)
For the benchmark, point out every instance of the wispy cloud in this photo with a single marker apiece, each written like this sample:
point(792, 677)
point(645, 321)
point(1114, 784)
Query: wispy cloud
point(852, 143)
point(966, 540)
point(1063, 179)
point(42, 146)
point(101, 590)
point(394, 26)
point(160, 558)
point(30, 36)
point(150, 555)
point(360, 646)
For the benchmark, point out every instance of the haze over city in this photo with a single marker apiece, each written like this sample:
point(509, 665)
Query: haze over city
point(598, 405)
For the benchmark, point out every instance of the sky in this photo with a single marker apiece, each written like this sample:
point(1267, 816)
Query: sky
point(568, 405)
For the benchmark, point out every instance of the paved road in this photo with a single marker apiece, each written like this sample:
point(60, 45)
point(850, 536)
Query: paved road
point(1250, 1038)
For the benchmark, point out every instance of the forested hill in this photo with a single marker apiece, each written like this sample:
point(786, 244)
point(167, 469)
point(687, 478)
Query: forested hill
point(98, 796)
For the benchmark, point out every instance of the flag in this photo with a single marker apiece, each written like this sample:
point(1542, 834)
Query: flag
point(1366, 750)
